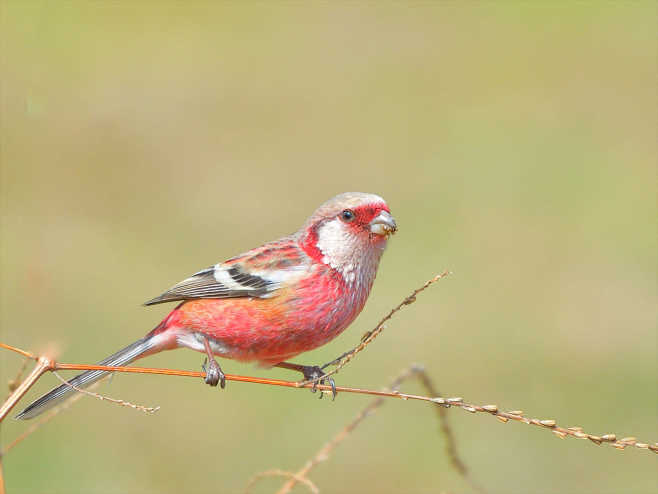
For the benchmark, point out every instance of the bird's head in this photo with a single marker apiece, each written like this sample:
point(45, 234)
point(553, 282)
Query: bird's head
point(349, 231)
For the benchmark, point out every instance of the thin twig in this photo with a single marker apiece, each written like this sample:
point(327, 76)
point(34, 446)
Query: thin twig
point(47, 417)
point(446, 430)
point(46, 364)
point(247, 379)
point(369, 336)
point(411, 371)
point(442, 412)
point(326, 450)
point(122, 403)
point(281, 473)
point(561, 432)
point(13, 383)
point(43, 364)
point(19, 350)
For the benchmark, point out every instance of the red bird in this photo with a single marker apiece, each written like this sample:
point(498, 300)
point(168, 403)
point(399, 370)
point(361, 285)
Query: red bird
point(269, 304)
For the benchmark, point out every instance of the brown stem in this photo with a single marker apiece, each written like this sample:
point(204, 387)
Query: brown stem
point(43, 365)
point(245, 379)
point(18, 350)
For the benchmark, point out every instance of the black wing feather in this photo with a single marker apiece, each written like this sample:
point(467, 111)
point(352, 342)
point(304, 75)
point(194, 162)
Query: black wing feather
point(204, 285)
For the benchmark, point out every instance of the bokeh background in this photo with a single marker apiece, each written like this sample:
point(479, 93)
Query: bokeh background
point(514, 141)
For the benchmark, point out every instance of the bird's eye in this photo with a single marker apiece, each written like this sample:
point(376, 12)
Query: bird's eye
point(347, 215)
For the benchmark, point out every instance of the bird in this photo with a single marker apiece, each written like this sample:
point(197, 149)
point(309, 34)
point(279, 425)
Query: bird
point(271, 303)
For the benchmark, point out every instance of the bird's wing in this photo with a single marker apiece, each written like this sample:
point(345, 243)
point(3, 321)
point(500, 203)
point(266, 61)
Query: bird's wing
point(257, 273)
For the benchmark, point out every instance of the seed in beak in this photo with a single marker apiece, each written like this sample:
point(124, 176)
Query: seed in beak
point(383, 224)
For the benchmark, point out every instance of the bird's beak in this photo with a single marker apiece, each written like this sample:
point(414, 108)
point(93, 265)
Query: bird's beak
point(383, 224)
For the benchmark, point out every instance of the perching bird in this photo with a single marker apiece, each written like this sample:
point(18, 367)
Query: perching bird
point(271, 303)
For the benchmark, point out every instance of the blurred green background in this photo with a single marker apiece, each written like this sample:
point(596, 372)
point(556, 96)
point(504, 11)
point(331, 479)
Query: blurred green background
point(514, 141)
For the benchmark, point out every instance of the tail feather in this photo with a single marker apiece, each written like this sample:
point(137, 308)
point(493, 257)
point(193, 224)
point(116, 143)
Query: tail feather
point(60, 393)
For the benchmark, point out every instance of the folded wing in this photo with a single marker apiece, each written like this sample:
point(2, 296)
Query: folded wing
point(258, 273)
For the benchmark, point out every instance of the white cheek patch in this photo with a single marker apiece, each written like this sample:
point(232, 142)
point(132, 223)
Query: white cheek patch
point(337, 246)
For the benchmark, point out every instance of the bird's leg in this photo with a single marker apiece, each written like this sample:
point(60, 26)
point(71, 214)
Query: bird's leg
point(214, 373)
point(310, 372)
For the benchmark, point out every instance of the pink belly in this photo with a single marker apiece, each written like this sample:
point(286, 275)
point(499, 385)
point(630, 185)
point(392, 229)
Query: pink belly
point(266, 330)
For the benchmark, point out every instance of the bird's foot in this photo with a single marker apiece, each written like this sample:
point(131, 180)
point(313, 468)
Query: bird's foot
point(312, 373)
point(214, 373)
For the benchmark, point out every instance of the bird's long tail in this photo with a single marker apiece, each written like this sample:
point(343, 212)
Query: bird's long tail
point(60, 393)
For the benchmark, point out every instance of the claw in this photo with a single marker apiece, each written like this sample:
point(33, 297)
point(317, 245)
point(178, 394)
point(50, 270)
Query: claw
point(332, 383)
point(312, 373)
point(214, 373)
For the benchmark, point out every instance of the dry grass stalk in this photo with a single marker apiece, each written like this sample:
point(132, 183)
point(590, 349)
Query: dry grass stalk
point(44, 364)
point(369, 336)
point(45, 419)
point(550, 424)
point(323, 454)
point(122, 403)
point(446, 430)
point(13, 383)
point(281, 473)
